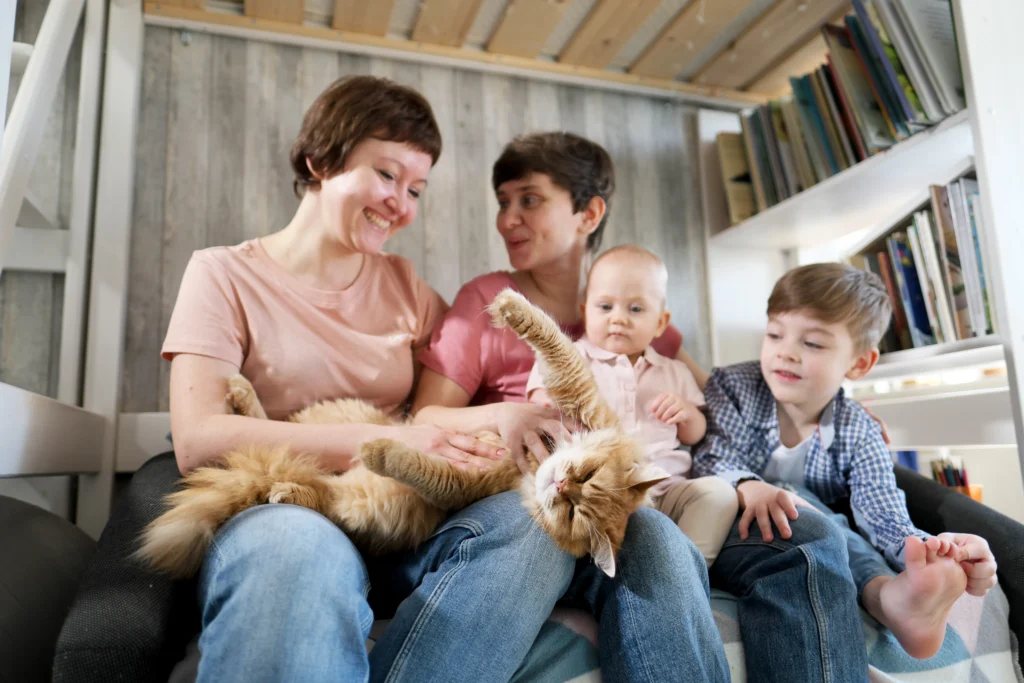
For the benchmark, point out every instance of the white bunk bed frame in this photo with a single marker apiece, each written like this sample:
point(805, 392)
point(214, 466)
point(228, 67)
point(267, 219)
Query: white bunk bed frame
point(82, 431)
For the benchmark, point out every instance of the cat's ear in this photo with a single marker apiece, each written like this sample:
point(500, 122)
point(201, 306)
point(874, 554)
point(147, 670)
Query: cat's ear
point(644, 477)
point(604, 554)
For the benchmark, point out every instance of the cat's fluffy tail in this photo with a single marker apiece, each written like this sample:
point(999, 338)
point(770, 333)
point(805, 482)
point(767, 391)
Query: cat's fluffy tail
point(176, 541)
point(569, 381)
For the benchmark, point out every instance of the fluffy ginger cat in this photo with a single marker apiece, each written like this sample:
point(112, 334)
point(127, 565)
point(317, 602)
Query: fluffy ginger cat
point(394, 497)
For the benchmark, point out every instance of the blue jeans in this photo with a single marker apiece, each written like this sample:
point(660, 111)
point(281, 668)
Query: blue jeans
point(798, 610)
point(285, 596)
point(866, 563)
point(654, 617)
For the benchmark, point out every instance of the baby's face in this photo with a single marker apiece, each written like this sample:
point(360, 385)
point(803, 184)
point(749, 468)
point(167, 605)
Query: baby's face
point(625, 309)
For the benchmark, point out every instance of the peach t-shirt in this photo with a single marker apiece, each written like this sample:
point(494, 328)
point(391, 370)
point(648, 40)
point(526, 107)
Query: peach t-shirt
point(630, 391)
point(492, 364)
point(298, 344)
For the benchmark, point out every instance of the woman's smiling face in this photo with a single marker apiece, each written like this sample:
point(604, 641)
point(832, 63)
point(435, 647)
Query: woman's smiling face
point(375, 196)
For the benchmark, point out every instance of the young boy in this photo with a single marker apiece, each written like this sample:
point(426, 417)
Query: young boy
point(785, 420)
point(656, 398)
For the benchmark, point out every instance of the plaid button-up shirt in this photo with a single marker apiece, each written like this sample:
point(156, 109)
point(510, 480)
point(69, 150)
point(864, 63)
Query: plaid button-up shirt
point(743, 432)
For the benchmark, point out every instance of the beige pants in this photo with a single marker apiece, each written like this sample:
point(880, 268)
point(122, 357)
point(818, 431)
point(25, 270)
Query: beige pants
point(705, 510)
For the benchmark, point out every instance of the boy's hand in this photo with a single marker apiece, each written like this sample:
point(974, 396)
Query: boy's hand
point(766, 503)
point(976, 559)
point(672, 409)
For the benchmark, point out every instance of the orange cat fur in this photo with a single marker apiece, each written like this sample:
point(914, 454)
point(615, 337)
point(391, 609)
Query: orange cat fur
point(395, 497)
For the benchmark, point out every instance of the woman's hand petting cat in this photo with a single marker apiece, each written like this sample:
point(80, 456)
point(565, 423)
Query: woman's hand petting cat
point(764, 502)
point(514, 420)
point(462, 450)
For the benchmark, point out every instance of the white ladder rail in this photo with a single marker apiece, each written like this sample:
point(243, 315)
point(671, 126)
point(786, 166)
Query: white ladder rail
point(7, 11)
point(76, 269)
point(24, 129)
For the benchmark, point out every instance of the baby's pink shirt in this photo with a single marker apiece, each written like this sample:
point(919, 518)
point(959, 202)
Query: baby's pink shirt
point(630, 390)
point(298, 344)
point(492, 364)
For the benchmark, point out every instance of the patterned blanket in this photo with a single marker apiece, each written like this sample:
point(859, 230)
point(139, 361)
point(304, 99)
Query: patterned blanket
point(979, 647)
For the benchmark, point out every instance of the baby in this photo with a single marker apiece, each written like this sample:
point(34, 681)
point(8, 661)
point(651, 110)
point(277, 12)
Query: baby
point(656, 398)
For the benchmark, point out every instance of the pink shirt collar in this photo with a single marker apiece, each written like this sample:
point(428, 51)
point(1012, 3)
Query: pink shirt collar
point(593, 352)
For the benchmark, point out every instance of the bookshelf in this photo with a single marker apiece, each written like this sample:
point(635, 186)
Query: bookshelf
point(869, 193)
point(962, 397)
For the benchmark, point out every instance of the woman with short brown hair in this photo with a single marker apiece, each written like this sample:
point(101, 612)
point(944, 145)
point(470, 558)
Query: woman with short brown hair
point(316, 311)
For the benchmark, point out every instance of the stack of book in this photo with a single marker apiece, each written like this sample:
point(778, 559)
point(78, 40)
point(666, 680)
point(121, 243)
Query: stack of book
point(932, 266)
point(892, 70)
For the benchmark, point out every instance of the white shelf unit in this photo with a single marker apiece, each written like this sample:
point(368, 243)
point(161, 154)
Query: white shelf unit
point(959, 395)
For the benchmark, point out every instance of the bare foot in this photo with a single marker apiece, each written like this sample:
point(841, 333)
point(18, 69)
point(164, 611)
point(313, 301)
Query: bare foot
point(915, 605)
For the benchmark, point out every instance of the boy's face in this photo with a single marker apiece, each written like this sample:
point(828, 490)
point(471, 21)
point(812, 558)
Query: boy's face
point(805, 360)
point(624, 310)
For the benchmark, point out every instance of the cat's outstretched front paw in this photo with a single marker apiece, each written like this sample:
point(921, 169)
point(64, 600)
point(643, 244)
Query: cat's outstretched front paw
point(509, 308)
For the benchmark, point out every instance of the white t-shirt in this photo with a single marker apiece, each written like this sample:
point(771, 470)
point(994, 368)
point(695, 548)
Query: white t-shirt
point(789, 464)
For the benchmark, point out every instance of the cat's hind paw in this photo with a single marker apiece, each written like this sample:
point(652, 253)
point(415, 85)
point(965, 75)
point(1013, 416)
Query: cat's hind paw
point(293, 494)
point(373, 455)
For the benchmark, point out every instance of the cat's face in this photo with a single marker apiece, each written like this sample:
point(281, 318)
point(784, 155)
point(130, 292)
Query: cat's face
point(585, 492)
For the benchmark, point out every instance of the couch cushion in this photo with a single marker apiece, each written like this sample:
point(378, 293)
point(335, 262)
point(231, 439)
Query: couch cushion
point(42, 558)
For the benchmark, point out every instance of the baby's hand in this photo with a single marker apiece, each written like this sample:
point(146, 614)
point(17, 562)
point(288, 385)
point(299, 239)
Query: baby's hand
point(540, 397)
point(672, 409)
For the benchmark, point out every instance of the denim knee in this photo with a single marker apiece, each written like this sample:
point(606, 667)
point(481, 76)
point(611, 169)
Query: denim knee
point(815, 527)
point(655, 541)
point(288, 545)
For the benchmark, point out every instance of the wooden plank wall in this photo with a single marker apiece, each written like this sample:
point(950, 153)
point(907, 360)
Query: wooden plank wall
point(31, 303)
point(219, 114)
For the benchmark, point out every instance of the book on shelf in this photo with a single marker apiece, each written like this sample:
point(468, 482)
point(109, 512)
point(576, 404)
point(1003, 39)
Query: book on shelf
point(932, 267)
point(891, 70)
point(739, 191)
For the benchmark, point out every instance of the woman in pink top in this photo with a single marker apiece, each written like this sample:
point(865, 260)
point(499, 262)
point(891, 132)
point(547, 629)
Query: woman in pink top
point(312, 312)
point(553, 192)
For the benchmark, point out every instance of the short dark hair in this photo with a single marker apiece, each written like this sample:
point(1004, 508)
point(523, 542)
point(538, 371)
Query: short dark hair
point(355, 108)
point(574, 163)
point(836, 293)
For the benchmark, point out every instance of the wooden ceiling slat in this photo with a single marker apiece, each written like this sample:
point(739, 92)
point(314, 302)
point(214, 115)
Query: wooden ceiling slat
point(299, 34)
point(604, 32)
point(690, 32)
point(788, 24)
point(371, 18)
point(526, 26)
point(289, 11)
point(446, 22)
point(805, 59)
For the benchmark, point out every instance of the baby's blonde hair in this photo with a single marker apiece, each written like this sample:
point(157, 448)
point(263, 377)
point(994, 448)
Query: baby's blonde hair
point(638, 252)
